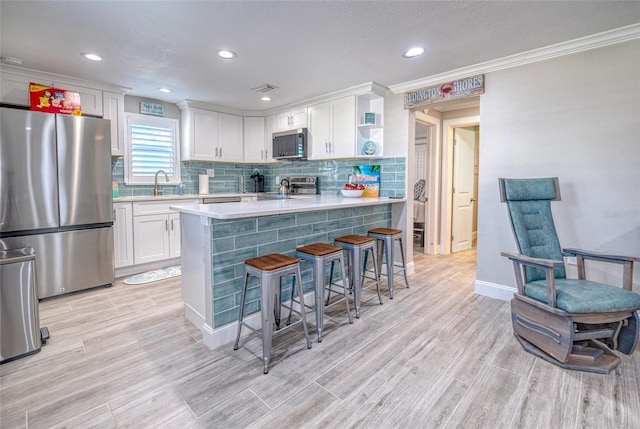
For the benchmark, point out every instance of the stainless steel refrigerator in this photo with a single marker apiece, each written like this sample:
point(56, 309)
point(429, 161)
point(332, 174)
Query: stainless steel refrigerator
point(56, 196)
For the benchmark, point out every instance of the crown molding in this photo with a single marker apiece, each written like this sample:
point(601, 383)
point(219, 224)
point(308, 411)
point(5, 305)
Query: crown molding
point(43, 77)
point(612, 37)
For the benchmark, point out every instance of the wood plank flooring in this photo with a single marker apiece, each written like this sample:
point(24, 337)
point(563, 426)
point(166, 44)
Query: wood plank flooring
point(436, 356)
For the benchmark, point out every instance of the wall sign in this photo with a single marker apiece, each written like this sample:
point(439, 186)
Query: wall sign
point(44, 98)
point(460, 88)
point(149, 108)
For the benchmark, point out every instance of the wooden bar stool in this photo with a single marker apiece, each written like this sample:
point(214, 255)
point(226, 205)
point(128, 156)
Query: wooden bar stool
point(320, 254)
point(357, 247)
point(270, 269)
point(386, 237)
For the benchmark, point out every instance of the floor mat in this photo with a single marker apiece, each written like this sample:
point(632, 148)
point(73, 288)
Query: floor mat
point(154, 275)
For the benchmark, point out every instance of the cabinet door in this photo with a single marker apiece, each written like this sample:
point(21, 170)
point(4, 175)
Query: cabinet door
point(113, 109)
point(343, 127)
point(254, 141)
point(318, 133)
point(298, 118)
point(122, 234)
point(174, 235)
point(270, 128)
point(151, 238)
point(14, 88)
point(283, 121)
point(90, 99)
point(230, 139)
point(204, 135)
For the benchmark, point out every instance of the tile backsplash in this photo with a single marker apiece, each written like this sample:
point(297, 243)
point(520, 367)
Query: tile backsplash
point(332, 176)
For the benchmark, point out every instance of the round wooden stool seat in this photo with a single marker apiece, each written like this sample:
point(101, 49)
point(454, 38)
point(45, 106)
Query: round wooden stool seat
point(355, 240)
point(319, 249)
point(271, 262)
point(385, 231)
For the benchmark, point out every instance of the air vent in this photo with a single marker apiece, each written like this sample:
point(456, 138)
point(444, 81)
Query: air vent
point(264, 88)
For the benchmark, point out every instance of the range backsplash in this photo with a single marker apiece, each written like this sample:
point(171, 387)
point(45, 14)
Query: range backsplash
point(332, 176)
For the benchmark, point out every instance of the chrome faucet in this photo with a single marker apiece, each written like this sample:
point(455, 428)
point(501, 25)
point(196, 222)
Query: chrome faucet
point(157, 191)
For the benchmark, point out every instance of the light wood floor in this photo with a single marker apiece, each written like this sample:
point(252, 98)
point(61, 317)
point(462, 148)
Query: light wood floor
point(435, 356)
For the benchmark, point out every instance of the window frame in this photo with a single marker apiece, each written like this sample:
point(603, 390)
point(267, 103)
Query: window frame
point(153, 121)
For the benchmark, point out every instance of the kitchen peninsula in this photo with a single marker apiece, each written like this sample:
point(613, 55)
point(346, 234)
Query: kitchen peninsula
point(216, 239)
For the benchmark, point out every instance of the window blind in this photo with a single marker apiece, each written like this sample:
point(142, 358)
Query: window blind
point(152, 149)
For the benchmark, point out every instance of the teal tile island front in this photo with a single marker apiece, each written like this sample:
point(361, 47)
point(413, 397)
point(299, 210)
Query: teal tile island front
point(216, 239)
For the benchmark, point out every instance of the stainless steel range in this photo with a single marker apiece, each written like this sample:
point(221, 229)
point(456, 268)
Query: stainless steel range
point(303, 185)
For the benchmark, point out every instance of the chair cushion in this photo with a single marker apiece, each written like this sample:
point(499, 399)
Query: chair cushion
point(584, 296)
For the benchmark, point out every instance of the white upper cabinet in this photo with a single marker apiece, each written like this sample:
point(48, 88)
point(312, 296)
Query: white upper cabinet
point(254, 141)
point(210, 136)
point(230, 138)
point(332, 129)
point(14, 88)
point(269, 129)
point(199, 135)
point(291, 119)
point(90, 98)
point(113, 109)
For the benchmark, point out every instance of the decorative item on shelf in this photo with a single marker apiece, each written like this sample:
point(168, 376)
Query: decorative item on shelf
point(369, 148)
point(370, 118)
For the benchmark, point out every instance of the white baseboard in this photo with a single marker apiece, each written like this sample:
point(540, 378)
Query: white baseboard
point(494, 290)
point(137, 269)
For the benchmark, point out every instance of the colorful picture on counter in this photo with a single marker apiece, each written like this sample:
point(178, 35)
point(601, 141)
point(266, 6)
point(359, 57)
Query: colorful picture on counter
point(54, 100)
point(369, 176)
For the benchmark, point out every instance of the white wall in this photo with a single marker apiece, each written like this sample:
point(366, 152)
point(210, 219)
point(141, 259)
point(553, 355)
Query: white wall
point(576, 117)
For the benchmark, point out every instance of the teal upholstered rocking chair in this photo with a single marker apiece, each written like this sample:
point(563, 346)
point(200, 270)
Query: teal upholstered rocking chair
point(573, 323)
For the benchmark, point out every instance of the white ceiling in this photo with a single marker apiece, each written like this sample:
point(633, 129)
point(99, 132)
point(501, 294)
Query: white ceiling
point(306, 48)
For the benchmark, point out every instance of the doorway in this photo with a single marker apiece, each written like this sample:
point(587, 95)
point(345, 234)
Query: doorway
point(461, 144)
point(435, 157)
point(464, 217)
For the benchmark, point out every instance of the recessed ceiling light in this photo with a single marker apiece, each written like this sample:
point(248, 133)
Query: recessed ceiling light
point(165, 90)
point(92, 57)
point(265, 98)
point(226, 54)
point(413, 52)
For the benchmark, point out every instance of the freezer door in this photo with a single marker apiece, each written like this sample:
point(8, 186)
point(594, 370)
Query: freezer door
point(84, 170)
point(28, 171)
point(69, 261)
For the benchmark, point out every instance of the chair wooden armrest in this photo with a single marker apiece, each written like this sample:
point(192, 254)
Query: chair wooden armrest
point(625, 261)
point(547, 265)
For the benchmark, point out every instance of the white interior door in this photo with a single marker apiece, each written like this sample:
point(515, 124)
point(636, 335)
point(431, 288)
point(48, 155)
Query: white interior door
point(463, 188)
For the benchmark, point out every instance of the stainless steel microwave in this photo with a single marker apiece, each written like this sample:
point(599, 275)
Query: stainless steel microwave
point(290, 144)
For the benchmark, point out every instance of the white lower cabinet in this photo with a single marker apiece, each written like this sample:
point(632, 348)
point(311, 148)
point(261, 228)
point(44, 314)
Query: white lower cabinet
point(151, 238)
point(174, 235)
point(156, 230)
point(123, 234)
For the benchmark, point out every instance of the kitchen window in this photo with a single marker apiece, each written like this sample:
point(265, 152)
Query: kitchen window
point(151, 145)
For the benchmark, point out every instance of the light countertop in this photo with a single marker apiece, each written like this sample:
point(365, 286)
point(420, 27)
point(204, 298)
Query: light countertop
point(229, 211)
point(138, 198)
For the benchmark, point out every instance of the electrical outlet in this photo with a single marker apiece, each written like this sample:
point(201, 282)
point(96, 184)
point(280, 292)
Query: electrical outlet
point(211, 172)
point(571, 260)
point(277, 180)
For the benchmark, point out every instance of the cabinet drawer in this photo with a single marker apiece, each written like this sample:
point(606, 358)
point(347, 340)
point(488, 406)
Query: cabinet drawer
point(159, 207)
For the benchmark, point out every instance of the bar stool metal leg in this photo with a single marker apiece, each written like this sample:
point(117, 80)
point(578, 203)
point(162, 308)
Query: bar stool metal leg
point(242, 302)
point(386, 239)
point(319, 255)
point(270, 269)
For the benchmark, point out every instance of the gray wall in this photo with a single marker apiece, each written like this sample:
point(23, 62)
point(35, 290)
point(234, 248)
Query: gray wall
point(576, 117)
